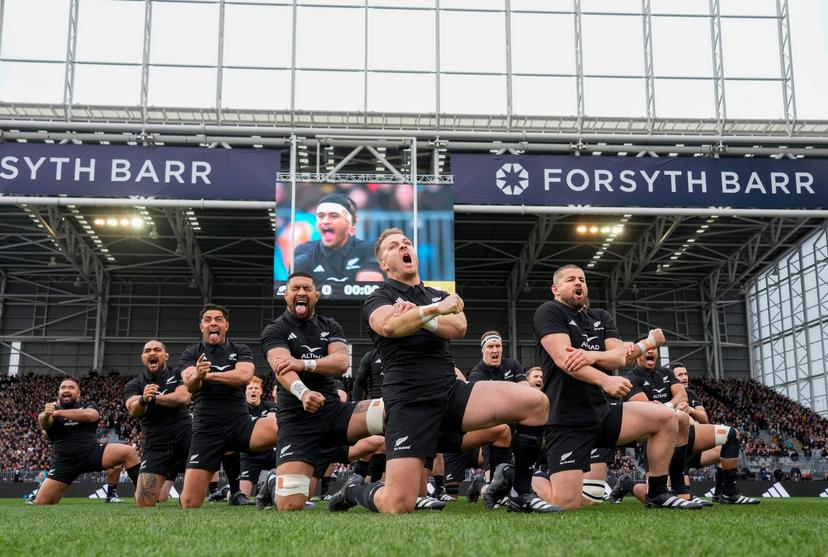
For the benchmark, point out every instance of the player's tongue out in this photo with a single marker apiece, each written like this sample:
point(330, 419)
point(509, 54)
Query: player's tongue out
point(301, 307)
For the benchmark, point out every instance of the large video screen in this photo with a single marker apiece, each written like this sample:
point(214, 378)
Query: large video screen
point(331, 234)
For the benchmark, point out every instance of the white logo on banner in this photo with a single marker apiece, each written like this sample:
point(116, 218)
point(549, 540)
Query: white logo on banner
point(776, 490)
point(512, 178)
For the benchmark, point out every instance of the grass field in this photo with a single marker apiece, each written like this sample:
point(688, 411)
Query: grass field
point(791, 527)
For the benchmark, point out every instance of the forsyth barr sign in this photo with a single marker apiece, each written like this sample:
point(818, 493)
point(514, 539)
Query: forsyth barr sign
point(177, 172)
point(650, 182)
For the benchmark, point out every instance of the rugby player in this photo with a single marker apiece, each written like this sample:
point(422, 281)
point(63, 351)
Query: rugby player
point(339, 256)
point(216, 371)
point(428, 409)
point(252, 464)
point(534, 377)
point(651, 382)
point(160, 399)
point(306, 351)
point(368, 385)
point(71, 426)
point(579, 347)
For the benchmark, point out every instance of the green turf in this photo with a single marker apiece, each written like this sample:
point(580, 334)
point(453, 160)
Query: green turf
point(792, 527)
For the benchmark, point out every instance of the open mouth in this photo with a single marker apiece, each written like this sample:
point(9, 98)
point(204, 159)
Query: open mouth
point(406, 258)
point(213, 334)
point(328, 234)
point(578, 293)
point(650, 359)
point(152, 361)
point(300, 306)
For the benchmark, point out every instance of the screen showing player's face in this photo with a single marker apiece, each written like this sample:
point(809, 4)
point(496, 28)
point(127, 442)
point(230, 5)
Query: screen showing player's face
point(681, 375)
point(334, 227)
point(253, 393)
point(214, 327)
point(154, 357)
point(492, 353)
point(68, 393)
point(398, 257)
point(571, 288)
point(535, 377)
point(647, 360)
point(301, 297)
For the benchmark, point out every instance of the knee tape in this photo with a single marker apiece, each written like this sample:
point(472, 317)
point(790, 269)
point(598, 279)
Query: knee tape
point(594, 490)
point(292, 484)
point(374, 417)
point(722, 432)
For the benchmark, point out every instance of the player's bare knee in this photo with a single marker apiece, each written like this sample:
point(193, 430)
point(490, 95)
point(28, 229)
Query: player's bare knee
point(290, 505)
point(189, 502)
point(504, 436)
point(570, 501)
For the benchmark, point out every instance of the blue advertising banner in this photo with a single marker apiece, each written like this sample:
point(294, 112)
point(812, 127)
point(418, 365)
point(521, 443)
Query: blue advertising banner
point(121, 171)
point(640, 182)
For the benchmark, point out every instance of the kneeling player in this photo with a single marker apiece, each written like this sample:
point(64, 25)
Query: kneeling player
point(305, 351)
point(71, 426)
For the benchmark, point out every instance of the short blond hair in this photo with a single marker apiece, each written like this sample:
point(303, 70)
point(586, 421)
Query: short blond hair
point(256, 381)
point(385, 234)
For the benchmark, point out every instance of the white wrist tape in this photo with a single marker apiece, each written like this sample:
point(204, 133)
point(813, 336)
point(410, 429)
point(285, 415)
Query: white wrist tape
point(422, 311)
point(652, 341)
point(292, 484)
point(431, 325)
point(310, 365)
point(668, 404)
point(642, 347)
point(298, 388)
point(374, 417)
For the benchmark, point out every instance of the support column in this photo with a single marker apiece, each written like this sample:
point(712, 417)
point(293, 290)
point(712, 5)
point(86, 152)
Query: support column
point(100, 328)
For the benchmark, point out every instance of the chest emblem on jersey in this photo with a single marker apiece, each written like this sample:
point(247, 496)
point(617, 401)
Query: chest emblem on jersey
point(665, 379)
point(311, 350)
point(324, 334)
point(646, 383)
point(352, 264)
point(292, 336)
point(220, 368)
point(170, 380)
point(437, 299)
point(232, 356)
point(319, 269)
point(572, 322)
point(659, 391)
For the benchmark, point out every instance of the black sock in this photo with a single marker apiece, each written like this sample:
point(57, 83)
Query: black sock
point(527, 444)
point(326, 482)
point(656, 485)
point(453, 489)
point(212, 487)
point(719, 480)
point(676, 469)
point(232, 467)
point(112, 490)
point(377, 466)
point(439, 481)
point(362, 467)
point(363, 495)
point(728, 481)
point(497, 456)
point(133, 473)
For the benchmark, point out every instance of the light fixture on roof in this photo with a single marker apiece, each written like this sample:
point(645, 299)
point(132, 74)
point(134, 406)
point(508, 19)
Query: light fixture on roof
point(153, 235)
point(77, 282)
point(52, 262)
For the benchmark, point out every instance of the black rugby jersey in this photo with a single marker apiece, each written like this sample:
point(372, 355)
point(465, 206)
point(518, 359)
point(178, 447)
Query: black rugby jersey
point(70, 436)
point(335, 265)
point(417, 366)
point(508, 370)
point(160, 425)
point(306, 339)
point(216, 402)
point(656, 384)
point(693, 399)
point(573, 402)
point(368, 378)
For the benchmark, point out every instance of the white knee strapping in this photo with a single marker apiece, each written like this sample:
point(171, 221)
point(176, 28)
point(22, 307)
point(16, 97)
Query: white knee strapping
point(594, 490)
point(292, 484)
point(374, 417)
point(721, 434)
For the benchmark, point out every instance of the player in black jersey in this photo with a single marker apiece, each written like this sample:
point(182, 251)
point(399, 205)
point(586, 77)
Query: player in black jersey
point(339, 256)
point(368, 378)
point(71, 426)
point(252, 464)
point(651, 382)
point(160, 399)
point(579, 347)
point(428, 409)
point(306, 350)
point(216, 371)
point(693, 407)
